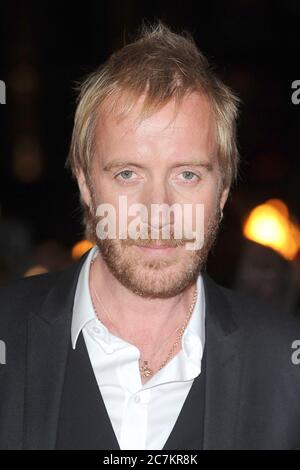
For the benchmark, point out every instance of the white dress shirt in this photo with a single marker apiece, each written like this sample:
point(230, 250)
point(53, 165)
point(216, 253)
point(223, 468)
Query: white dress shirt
point(142, 416)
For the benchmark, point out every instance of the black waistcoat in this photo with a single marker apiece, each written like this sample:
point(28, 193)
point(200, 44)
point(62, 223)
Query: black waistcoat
point(84, 422)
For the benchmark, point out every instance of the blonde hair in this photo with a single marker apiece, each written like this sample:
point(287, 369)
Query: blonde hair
point(162, 65)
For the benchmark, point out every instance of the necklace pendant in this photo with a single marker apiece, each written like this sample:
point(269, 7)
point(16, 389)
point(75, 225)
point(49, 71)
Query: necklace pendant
point(145, 370)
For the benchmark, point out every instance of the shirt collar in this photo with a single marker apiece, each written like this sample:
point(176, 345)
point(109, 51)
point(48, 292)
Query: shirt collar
point(83, 313)
point(193, 337)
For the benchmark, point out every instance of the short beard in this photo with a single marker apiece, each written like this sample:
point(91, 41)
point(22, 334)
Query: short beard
point(153, 282)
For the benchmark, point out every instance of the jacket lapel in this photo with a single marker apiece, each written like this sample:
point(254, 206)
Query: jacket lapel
point(48, 341)
point(221, 382)
point(83, 422)
point(223, 369)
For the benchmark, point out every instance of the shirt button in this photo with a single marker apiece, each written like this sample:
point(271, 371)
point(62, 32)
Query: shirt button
point(137, 399)
point(96, 329)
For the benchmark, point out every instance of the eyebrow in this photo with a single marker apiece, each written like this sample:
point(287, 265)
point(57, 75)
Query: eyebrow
point(117, 164)
point(207, 165)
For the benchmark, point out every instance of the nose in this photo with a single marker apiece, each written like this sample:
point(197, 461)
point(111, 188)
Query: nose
point(158, 200)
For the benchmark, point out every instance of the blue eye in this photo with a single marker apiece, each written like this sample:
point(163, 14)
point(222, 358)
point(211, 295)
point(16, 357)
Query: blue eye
point(189, 175)
point(126, 174)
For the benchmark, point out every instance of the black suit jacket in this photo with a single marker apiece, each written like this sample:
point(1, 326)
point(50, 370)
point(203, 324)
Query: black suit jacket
point(252, 395)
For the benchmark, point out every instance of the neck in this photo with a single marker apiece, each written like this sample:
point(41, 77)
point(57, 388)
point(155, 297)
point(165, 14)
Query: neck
point(144, 318)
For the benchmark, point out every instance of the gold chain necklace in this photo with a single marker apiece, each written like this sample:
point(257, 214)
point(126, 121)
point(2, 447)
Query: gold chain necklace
point(145, 370)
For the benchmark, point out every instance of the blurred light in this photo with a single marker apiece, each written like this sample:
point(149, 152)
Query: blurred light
point(34, 270)
point(80, 248)
point(27, 162)
point(269, 224)
point(24, 79)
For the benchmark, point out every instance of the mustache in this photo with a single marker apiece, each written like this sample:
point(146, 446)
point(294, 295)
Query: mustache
point(145, 240)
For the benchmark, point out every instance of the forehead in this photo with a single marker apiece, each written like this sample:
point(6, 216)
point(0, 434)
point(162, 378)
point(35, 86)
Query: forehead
point(192, 128)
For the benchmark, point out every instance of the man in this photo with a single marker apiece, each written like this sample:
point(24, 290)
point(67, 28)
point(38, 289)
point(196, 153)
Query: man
point(135, 347)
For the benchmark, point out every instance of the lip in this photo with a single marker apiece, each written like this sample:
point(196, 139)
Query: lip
point(156, 248)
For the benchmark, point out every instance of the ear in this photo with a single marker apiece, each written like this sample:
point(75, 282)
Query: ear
point(223, 198)
point(83, 187)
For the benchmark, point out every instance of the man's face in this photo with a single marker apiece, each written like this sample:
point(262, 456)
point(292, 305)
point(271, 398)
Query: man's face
point(159, 161)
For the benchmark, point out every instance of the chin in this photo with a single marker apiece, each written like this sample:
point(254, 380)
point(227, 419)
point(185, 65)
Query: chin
point(159, 283)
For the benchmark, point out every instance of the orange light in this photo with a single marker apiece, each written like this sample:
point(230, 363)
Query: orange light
point(34, 270)
point(80, 248)
point(269, 224)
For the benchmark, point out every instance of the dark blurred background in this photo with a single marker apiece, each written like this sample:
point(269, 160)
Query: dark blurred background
point(45, 47)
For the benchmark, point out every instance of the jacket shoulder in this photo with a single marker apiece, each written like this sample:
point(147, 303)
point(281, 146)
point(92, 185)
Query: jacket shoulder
point(247, 308)
point(18, 298)
point(255, 316)
point(264, 325)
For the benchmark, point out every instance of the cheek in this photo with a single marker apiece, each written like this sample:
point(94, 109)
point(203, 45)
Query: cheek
point(209, 211)
point(103, 194)
point(206, 208)
point(211, 200)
